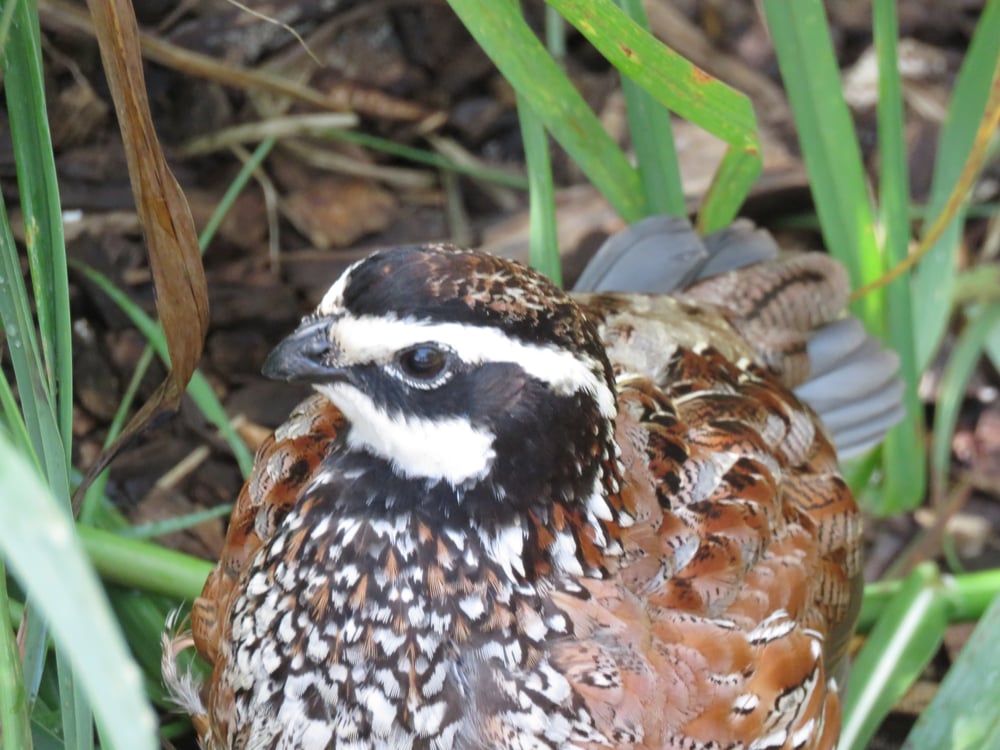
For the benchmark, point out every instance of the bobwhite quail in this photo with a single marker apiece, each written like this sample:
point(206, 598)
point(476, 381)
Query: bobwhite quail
point(511, 517)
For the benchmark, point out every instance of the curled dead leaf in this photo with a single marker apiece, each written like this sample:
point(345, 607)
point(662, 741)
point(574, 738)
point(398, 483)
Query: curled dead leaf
point(175, 259)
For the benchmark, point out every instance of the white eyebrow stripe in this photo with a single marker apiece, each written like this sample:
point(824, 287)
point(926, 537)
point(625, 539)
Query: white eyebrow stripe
point(376, 339)
point(333, 300)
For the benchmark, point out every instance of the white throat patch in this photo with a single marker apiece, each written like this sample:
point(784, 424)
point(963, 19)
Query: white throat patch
point(449, 449)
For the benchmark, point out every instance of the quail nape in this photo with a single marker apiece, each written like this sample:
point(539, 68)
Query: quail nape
point(512, 517)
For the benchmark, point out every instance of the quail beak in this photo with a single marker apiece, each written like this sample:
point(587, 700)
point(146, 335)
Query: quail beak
point(307, 355)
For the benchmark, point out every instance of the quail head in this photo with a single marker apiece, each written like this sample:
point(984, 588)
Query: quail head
point(511, 517)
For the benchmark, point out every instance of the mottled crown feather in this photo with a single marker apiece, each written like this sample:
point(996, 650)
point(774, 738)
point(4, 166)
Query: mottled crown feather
point(445, 283)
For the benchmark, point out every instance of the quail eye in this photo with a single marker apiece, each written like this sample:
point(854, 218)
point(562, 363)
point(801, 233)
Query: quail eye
point(422, 362)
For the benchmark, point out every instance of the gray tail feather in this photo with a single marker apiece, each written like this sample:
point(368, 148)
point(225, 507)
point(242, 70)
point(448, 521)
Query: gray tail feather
point(662, 254)
point(853, 386)
point(852, 383)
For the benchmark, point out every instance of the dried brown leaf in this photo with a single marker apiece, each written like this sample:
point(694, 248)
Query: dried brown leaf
point(178, 275)
point(333, 212)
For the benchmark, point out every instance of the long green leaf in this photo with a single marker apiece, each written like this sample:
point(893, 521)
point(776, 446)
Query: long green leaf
point(963, 714)
point(12, 418)
point(22, 341)
point(6, 19)
point(934, 278)
point(502, 32)
point(681, 87)
point(24, 85)
point(42, 365)
point(95, 498)
point(670, 78)
point(172, 525)
point(652, 137)
point(136, 564)
point(544, 237)
point(903, 450)
point(77, 722)
point(505, 176)
point(826, 133)
point(969, 595)
point(41, 424)
point(13, 696)
point(46, 558)
point(664, 76)
point(44, 738)
point(897, 650)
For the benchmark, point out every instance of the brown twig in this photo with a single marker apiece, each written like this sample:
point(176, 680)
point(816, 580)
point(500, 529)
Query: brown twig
point(62, 15)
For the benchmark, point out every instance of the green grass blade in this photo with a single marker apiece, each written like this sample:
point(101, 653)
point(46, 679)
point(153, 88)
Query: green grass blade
point(46, 558)
point(35, 650)
point(172, 525)
point(501, 31)
point(826, 133)
point(77, 723)
point(13, 697)
point(43, 370)
point(6, 18)
point(963, 715)
point(44, 738)
point(663, 75)
point(233, 191)
point(502, 177)
point(894, 187)
point(934, 277)
point(652, 137)
point(904, 463)
point(121, 557)
point(94, 498)
point(555, 34)
point(36, 176)
point(39, 417)
point(684, 89)
point(13, 420)
point(897, 650)
point(739, 169)
point(141, 565)
point(670, 78)
point(968, 594)
point(45, 711)
point(199, 388)
point(543, 235)
point(19, 330)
